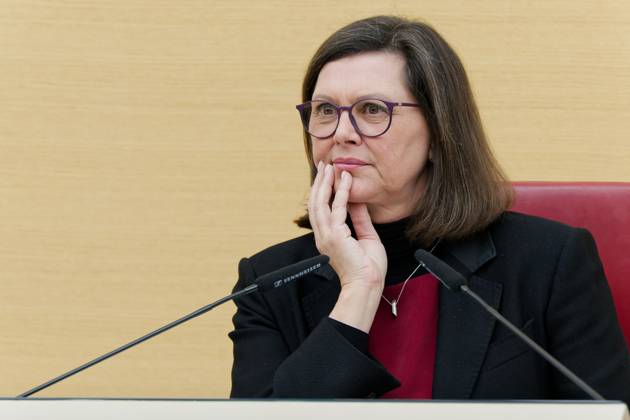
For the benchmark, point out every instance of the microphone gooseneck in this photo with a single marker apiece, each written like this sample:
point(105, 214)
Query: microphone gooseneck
point(455, 281)
point(265, 282)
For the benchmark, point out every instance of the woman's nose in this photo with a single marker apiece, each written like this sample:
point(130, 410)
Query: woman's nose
point(346, 133)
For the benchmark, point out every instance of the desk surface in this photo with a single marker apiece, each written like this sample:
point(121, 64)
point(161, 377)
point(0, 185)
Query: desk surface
point(96, 409)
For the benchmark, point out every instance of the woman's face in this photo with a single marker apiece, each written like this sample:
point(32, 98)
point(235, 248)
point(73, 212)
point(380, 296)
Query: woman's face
point(388, 171)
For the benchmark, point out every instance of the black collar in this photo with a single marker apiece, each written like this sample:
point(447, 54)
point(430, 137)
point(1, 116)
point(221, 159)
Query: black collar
point(470, 253)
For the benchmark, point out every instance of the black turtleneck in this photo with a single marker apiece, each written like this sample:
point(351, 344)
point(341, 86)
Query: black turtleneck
point(400, 251)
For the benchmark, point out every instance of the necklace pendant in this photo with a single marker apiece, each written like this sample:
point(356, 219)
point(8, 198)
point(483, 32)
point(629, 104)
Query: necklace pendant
point(395, 308)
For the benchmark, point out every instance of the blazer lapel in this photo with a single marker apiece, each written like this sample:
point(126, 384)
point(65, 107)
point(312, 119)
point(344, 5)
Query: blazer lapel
point(464, 328)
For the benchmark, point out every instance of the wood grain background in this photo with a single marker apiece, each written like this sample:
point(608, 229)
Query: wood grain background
point(147, 145)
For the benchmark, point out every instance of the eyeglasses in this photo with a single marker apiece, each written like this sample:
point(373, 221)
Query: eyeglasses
point(369, 117)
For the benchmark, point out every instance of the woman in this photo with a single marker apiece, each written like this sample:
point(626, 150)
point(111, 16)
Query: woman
point(399, 161)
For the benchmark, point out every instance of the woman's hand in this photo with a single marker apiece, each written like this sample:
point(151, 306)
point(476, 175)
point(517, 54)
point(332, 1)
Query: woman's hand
point(361, 263)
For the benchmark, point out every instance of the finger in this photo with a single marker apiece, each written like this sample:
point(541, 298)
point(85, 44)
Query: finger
point(318, 174)
point(361, 221)
point(316, 183)
point(321, 203)
point(339, 208)
point(319, 210)
point(326, 186)
point(317, 179)
point(312, 202)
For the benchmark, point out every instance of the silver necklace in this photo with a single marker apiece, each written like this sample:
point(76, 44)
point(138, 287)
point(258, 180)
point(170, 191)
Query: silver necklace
point(394, 302)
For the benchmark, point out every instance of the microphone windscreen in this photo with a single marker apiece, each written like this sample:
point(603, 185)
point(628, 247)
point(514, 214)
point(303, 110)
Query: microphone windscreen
point(291, 272)
point(452, 279)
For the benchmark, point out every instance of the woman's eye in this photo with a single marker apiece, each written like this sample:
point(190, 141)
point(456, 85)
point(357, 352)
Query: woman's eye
point(325, 109)
point(372, 108)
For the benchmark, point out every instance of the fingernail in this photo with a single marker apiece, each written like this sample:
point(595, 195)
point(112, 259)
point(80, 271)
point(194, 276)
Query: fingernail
point(344, 175)
point(319, 166)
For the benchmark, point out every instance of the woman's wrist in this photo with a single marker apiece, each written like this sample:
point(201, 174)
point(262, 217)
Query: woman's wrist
point(357, 305)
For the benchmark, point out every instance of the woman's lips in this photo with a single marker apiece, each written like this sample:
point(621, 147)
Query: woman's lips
point(348, 164)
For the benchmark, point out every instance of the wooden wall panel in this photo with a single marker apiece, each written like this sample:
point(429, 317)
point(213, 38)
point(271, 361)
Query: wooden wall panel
point(145, 146)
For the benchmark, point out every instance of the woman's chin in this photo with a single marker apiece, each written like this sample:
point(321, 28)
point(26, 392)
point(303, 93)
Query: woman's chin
point(356, 197)
point(358, 192)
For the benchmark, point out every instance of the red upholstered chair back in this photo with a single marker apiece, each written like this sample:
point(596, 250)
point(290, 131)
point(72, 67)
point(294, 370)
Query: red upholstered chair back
point(603, 209)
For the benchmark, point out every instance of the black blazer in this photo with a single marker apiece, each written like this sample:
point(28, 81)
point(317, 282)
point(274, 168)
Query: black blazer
point(543, 276)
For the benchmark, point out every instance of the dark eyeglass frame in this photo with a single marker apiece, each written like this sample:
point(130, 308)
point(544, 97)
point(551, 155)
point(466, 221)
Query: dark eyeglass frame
point(390, 109)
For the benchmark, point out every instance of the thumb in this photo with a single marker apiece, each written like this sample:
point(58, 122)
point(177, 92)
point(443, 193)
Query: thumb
point(361, 221)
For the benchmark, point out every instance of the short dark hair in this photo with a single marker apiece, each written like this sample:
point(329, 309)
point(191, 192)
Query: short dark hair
point(466, 189)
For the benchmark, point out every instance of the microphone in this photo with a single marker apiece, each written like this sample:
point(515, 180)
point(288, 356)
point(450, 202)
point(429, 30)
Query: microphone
point(290, 273)
point(455, 281)
point(263, 283)
point(449, 277)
